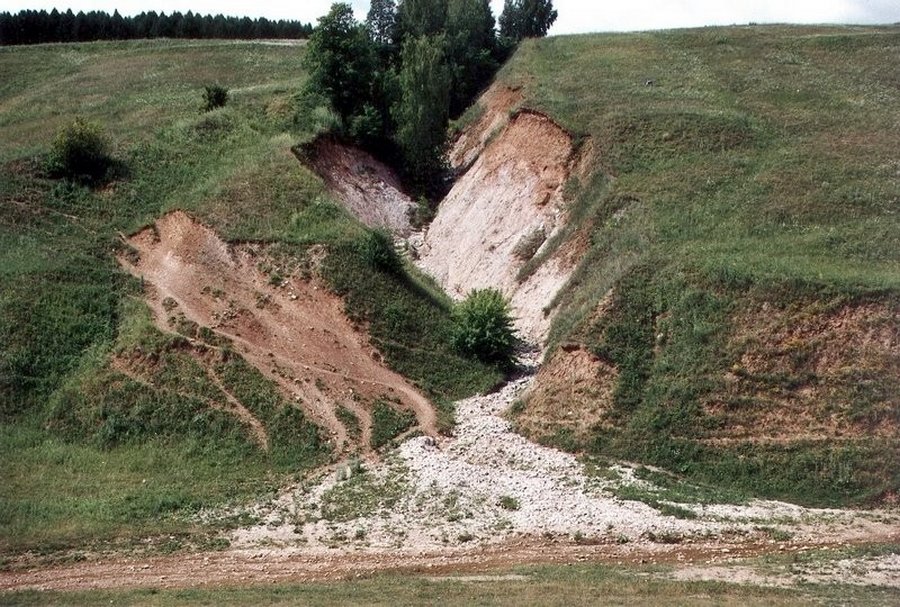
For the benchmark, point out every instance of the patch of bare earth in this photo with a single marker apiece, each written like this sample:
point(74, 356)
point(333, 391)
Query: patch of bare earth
point(500, 214)
point(290, 328)
point(573, 390)
point(368, 188)
point(810, 371)
point(882, 571)
point(494, 108)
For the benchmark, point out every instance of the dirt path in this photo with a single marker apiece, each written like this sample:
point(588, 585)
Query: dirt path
point(720, 560)
point(255, 566)
point(294, 331)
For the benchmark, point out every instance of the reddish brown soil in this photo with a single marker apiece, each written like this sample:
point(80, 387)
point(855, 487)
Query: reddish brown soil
point(495, 107)
point(295, 331)
point(807, 371)
point(573, 390)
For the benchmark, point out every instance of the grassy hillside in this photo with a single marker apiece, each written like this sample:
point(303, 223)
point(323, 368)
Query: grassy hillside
point(738, 295)
point(740, 290)
point(90, 453)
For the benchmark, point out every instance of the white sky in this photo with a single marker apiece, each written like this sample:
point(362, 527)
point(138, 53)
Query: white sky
point(574, 15)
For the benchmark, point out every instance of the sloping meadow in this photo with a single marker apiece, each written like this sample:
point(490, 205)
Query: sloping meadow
point(111, 427)
point(737, 308)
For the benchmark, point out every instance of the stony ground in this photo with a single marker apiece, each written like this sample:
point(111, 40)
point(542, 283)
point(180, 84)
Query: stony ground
point(489, 485)
point(486, 500)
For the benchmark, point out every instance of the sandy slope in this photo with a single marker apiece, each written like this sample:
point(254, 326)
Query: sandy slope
point(512, 192)
point(294, 332)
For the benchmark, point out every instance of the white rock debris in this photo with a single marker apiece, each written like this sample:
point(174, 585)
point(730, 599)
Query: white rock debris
point(488, 484)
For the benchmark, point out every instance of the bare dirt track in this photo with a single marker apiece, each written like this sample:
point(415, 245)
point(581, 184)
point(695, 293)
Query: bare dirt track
point(249, 567)
point(291, 329)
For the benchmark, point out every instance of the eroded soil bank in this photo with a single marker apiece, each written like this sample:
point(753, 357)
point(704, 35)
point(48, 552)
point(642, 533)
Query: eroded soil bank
point(504, 209)
point(367, 187)
point(500, 214)
point(292, 329)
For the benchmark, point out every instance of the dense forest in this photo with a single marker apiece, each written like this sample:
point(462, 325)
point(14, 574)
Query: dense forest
point(34, 27)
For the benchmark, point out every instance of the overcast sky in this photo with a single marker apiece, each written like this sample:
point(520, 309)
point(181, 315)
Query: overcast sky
point(574, 15)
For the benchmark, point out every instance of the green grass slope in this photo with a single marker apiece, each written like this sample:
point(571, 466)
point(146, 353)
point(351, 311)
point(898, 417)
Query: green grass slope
point(89, 453)
point(742, 215)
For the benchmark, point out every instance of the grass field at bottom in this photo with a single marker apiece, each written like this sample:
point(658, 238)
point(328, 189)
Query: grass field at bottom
point(547, 585)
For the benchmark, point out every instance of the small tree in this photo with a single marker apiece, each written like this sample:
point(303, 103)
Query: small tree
point(214, 96)
point(81, 152)
point(483, 327)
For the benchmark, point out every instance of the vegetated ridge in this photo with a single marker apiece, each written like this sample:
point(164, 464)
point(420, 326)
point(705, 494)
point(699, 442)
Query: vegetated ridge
point(710, 316)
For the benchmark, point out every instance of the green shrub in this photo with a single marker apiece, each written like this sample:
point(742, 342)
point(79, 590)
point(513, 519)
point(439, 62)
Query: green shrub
point(507, 502)
point(483, 327)
point(81, 152)
point(214, 96)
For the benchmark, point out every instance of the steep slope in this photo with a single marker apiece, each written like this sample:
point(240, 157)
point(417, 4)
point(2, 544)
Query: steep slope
point(293, 330)
point(496, 226)
point(501, 212)
point(735, 313)
point(366, 187)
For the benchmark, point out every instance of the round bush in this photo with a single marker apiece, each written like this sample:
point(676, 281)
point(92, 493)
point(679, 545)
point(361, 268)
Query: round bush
point(483, 327)
point(81, 152)
point(214, 96)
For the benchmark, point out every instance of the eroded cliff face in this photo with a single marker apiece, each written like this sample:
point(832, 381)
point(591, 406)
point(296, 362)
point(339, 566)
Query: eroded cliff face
point(503, 211)
point(293, 330)
point(365, 186)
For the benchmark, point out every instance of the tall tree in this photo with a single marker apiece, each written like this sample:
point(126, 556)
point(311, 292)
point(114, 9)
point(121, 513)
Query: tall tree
point(421, 18)
point(472, 49)
point(341, 61)
point(423, 109)
point(527, 18)
point(382, 22)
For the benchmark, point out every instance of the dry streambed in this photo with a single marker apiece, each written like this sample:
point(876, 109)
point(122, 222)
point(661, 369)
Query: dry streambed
point(488, 485)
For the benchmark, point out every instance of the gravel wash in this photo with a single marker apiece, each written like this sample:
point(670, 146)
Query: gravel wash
point(488, 484)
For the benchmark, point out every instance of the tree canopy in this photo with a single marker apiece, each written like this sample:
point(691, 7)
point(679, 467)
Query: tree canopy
point(34, 27)
point(527, 19)
point(424, 107)
point(341, 62)
point(396, 79)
